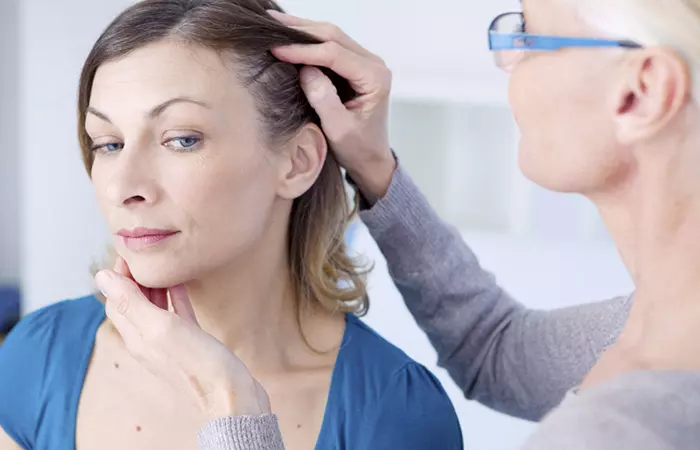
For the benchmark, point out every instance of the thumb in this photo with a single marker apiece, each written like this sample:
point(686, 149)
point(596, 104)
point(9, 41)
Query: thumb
point(122, 268)
point(125, 300)
point(181, 304)
point(156, 296)
point(323, 97)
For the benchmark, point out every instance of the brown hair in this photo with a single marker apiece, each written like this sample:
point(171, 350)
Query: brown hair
point(321, 269)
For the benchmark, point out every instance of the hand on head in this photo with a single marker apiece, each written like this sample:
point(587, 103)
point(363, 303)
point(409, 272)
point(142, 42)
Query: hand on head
point(174, 347)
point(358, 130)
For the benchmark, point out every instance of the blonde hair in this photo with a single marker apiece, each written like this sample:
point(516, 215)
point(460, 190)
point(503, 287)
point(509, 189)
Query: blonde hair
point(670, 23)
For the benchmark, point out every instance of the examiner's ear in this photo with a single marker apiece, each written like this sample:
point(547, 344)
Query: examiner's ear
point(655, 86)
point(301, 162)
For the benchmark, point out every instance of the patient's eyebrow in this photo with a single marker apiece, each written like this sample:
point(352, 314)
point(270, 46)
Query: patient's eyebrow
point(98, 114)
point(156, 110)
point(159, 109)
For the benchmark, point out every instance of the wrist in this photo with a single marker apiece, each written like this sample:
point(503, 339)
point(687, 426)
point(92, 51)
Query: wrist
point(222, 403)
point(247, 398)
point(373, 179)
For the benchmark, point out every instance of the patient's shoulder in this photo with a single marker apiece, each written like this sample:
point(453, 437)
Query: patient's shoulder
point(403, 404)
point(46, 336)
point(54, 324)
point(48, 346)
point(366, 346)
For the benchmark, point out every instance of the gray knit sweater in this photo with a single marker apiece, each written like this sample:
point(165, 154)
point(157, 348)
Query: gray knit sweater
point(518, 361)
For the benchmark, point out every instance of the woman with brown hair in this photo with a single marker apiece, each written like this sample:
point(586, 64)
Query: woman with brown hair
point(229, 214)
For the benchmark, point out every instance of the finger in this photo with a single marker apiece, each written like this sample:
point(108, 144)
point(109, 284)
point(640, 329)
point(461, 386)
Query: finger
point(329, 32)
point(322, 30)
point(289, 19)
point(126, 300)
point(182, 305)
point(159, 297)
point(122, 268)
point(323, 97)
point(128, 332)
point(125, 328)
point(361, 72)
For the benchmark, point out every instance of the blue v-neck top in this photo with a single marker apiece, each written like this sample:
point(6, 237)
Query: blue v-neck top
point(379, 398)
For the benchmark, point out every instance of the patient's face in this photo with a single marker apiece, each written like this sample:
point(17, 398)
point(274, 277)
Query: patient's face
point(178, 151)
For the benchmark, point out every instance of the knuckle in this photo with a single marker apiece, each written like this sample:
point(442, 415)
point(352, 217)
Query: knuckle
point(122, 301)
point(331, 50)
point(385, 78)
point(321, 91)
point(381, 61)
point(334, 32)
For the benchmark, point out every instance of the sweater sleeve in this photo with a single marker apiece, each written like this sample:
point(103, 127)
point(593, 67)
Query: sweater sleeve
point(642, 410)
point(513, 359)
point(414, 402)
point(241, 433)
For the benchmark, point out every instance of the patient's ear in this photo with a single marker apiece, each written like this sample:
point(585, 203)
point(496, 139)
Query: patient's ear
point(301, 162)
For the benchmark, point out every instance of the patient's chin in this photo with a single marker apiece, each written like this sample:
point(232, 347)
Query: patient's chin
point(155, 276)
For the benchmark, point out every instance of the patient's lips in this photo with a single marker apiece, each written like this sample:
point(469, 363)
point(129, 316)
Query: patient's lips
point(144, 238)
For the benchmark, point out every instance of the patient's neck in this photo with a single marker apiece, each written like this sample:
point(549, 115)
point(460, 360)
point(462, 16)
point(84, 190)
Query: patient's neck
point(251, 307)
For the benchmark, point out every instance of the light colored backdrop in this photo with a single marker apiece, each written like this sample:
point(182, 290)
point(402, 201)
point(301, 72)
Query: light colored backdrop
point(9, 148)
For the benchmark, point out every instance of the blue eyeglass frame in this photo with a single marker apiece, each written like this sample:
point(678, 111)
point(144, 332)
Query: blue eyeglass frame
point(540, 42)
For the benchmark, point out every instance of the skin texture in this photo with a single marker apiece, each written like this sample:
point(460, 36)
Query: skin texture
point(200, 168)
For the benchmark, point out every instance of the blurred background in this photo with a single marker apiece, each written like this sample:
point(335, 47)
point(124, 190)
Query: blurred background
point(450, 126)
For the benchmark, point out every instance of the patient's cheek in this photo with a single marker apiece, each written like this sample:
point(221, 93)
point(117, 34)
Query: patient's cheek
point(238, 181)
point(226, 206)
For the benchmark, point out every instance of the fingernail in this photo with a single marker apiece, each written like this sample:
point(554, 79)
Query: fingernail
point(104, 276)
point(102, 279)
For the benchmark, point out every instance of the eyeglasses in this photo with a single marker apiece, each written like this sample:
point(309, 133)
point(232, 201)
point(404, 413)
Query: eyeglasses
point(508, 41)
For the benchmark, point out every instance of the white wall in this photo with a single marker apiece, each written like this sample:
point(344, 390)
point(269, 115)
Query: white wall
point(61, 229)
point(437, 49)
point(9, 147)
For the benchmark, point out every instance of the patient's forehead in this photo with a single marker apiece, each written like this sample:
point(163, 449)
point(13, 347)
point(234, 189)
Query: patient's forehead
point(164, 70)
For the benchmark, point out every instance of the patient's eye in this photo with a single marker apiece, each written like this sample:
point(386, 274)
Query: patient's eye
point(183, 143)
point(108, 147)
